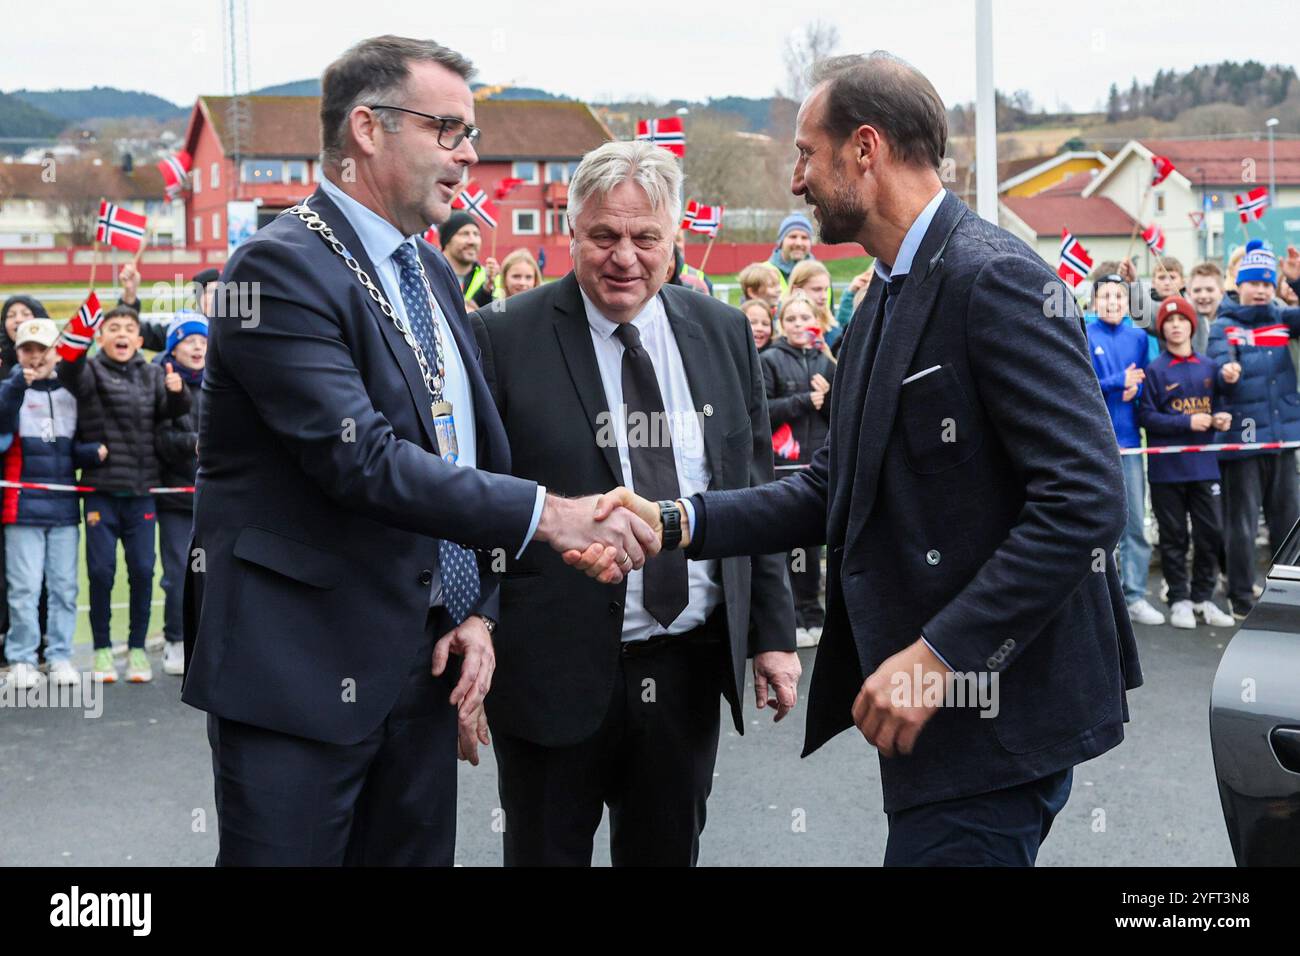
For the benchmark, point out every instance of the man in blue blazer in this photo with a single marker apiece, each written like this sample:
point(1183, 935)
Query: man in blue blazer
point(353, 496)
point(970, 495)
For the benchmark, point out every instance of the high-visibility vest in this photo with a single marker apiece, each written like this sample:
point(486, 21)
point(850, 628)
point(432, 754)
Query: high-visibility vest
point(476, 280)
point(692, 271)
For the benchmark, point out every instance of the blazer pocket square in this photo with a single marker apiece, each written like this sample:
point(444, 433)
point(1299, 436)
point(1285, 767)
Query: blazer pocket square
point(921, 374)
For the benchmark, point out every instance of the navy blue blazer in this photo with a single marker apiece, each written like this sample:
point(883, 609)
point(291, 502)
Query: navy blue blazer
point(977, 505)
point(319, 497)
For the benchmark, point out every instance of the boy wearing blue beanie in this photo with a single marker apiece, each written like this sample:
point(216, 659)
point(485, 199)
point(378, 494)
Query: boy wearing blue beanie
point(1265, 407)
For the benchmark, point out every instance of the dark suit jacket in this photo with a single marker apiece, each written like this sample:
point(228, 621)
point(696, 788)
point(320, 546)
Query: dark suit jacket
point(559, 641)
point(319, 501)
point(977, 505)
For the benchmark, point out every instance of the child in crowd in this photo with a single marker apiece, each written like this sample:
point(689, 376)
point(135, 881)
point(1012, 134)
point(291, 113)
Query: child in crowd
point(178, 450)
point(813, 278)
point(760, 322)
point(1119, 357)
point(1180, 403)
point(1205, 292)
point(798, 372)
point(41, 528)
point(1265, 407)
point(761, 280)
point(121, 401)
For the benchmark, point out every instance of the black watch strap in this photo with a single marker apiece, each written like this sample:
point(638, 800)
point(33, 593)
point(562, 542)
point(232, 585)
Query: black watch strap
point(670, 516)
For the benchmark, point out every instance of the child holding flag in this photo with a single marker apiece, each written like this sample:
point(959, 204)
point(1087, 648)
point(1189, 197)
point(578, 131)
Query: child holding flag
point(1180, 404)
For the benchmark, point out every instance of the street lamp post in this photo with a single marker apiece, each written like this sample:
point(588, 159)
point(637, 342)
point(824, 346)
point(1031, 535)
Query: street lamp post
point(1271, 122)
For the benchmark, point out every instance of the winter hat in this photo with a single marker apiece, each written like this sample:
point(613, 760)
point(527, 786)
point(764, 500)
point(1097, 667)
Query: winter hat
point(1259, 264)
point(796, 220)
point(183, 323)
point(1174, 305)
point(454, 224)
point(41, 331)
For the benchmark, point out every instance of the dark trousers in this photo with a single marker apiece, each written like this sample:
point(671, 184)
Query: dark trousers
point(1000, 828)
point(806, 585)
point(651, 761)
point(129, 519)
point(1248, 483)
point(174, 542)
point(1173, 503)
point(389, 800)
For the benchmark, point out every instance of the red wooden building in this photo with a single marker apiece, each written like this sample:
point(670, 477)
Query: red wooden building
point(265, 149)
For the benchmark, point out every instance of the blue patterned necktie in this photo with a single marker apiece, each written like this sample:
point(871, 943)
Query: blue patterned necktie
point(456, 564)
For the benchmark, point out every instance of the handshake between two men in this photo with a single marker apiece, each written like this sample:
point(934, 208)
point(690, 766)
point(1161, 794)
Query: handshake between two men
point(606, 535)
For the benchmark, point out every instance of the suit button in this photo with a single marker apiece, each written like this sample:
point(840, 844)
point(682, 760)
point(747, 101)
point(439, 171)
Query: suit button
point(932, 557)
point(615, 607)
point(708, 411)
point(426, 576)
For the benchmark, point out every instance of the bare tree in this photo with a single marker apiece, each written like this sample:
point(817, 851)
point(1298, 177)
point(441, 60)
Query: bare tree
point(818, 41)
point(75, 195)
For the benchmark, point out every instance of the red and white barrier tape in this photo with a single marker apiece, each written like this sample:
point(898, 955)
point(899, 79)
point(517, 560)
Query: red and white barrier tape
point(1227, 446)
point(43, 486)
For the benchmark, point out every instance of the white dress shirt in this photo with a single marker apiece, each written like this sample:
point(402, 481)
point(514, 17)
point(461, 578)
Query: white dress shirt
point(380, 239)
point(704, 583)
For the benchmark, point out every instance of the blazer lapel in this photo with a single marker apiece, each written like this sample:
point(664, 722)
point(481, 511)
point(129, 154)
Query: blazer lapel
point(574, 333)
point(325, 207)
point(898, 344)
point(699, 375)
point(847, 399)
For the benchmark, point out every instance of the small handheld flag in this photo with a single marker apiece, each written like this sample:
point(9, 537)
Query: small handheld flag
point(474, 200)
point(668, 133)
point(80, 330)
point(784, 444)
point(506, 186)
point(175, 171)
point(1265, 336)
point(1075, 261)
point(1252, 205)
point(1154, 237)
point(119, 227)
point(1161, 167)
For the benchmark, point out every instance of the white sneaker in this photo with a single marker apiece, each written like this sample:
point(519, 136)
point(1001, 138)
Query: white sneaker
point(815, 633)
point(174, 658)
point(1181, 615)
point(1140, 612)
point(803, 639)
point(154, 642)
point(1214, 615)
point(24, 676)
point(63, 673)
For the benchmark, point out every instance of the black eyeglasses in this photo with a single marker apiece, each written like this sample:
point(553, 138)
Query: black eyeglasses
point(457, 130)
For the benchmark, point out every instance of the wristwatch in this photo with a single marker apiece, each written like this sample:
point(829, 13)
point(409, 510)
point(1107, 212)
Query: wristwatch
point(670, 516)
point(490, 624)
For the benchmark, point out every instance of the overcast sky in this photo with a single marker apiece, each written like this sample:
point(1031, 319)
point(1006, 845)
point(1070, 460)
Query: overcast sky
point(1062, 53)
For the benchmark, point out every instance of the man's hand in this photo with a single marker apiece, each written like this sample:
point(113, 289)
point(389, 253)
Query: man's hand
point(1222, 421)
point(611, 543)
point(778, 670)
point(1201, 422)
point(473, 643)
point(467, 745)
point(891, 728)
point(129, 276)
point(173, 381)
point(1231, 373)
point(1291, 265)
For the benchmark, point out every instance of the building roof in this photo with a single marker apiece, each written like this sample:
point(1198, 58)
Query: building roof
point(1047, 215)
point(25, 181)
point(1039, 165)
point(1216, 162)
point(1072, 185)
point(289, 126)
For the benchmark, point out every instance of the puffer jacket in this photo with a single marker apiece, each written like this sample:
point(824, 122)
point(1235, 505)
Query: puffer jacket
point(175, 443)
point(42, 418)
point(787, 374)
point(1266, 394)
point(121, 404)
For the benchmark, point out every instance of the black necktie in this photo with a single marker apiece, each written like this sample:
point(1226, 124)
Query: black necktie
point(892, 289)
point(654, 472)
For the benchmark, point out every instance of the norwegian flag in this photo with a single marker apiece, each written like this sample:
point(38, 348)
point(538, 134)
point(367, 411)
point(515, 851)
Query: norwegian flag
point(175, 171)
point(1266, 336)
point(702, 219)
point(689, 213)
point(80, 330)
point(1154, 237)
point(1161, 167)
point(474, 200)
point(784, 444)
point(667, 133)
point(431, 235)
point(506, 186)
point(119, 227)
point(1075, 261)
point(1252, 205)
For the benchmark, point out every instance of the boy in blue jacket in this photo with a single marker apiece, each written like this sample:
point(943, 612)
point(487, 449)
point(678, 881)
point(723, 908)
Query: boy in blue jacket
point(1119, 357)
point(41, 528)
point(1181, 403)
point(1265, 407)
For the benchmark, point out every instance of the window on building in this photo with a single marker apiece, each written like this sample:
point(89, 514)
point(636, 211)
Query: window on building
point(526, 222)
point(198, 180)
point(198, 228)
point(559, 220)
point(1160, 204)
point(297, 170)
point(216, 225)
point(570, 169)
point(525, 170)
point(261, 171)
point(557, 173)
point(315, 172)
point(216, 175)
